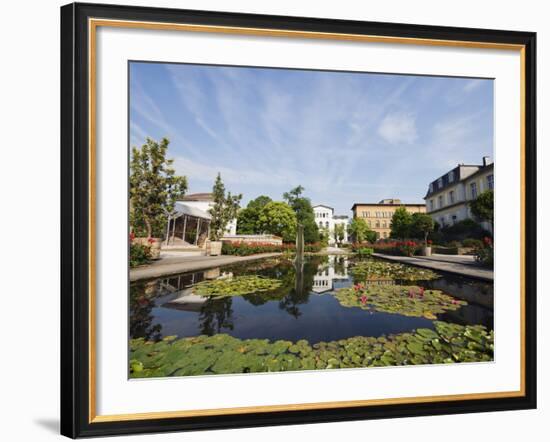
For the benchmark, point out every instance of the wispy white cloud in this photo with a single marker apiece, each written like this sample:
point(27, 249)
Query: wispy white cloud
point(398, 128)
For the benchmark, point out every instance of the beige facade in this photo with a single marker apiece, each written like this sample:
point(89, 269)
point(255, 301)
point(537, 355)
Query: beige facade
point(448, 196)
point(378, 215)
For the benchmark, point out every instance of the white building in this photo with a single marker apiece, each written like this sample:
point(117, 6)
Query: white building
point(326, 220)
point(448, 196)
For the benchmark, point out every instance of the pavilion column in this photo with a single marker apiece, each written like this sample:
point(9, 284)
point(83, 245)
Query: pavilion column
point(174, 229)
point(184, 227)
point(198, 230)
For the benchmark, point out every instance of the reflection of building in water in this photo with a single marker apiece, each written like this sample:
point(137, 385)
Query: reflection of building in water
point(335, 269)
point(179, 293)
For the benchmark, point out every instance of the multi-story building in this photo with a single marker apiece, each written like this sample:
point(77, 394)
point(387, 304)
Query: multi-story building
point(378, 215)
point(326, 220)
point(448, 196)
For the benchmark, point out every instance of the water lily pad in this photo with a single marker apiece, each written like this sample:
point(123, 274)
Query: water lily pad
point(403, 300)
point(373, 270)
point(222, 354)
point(236, 286)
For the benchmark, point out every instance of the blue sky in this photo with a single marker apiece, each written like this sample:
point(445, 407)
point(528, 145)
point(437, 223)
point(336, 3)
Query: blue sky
point(345, 137)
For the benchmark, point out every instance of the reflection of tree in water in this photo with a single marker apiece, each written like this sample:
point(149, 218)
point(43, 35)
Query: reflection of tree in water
point(141, 307)
point(215, 315)
point(299, 293)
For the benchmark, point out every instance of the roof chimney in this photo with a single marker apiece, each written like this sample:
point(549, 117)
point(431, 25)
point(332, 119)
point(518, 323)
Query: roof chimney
point(486, 161)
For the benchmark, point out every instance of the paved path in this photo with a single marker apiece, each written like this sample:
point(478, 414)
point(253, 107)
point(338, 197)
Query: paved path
point(174, 265)
point(459, 265)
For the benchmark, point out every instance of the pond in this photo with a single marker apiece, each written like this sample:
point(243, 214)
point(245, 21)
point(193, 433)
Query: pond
point(319, 301)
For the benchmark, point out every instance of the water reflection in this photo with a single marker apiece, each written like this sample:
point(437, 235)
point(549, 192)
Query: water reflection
point(302, 308)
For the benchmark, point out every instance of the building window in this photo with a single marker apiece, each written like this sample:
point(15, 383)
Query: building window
point(451, 197)
point(442, 221)
point(431, 205)
point(440, 201)
point(320, 223)
point(490, 182)
point(377, 224)
point(451, 176)
point(473, 190)
point(326, 224)
point(440, 183)
point(384, 224)
point(385, 234)
point(454, 219)
point(431, 187)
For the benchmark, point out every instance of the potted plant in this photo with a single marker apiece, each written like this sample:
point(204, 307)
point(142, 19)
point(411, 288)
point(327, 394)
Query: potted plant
point(425, 224)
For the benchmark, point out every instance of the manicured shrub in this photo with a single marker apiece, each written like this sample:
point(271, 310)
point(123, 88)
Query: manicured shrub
point(246, 249)
point(473, 243)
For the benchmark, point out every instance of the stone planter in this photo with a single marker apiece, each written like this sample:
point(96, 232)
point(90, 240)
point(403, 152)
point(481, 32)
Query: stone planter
point(154, 243)
point(426, 251)
point(214, 248)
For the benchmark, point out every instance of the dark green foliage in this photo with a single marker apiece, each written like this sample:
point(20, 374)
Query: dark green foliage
point(422, 225)
point(304, 213)
point(360, 231)
point(401, 223)
point(248, 222)
point(224, 210)
point(139, 254)
point(154, 188)
point(482, 207)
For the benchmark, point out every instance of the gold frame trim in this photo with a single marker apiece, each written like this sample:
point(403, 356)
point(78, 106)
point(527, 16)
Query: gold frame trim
point(93, 24)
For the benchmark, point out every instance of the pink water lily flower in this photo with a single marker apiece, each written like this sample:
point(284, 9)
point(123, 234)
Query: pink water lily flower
point(363, 299)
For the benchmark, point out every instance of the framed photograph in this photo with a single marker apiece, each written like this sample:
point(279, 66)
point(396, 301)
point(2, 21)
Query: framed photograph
point(274, 220)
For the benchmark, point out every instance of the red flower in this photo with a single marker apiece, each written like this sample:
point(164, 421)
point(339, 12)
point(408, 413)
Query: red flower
point(487, 241)
point(151, 240)
point(363, 299)
point(132, 236)
point(421, 292)
point(430, 242)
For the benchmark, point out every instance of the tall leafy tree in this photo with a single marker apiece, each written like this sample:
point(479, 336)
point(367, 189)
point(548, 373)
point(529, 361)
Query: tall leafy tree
point(154, 188)
point(482, 207)
point(224, 210)
point(248, 218)
point(401, 223)
point(279, 219)
point(360, 231)
point(304, 213)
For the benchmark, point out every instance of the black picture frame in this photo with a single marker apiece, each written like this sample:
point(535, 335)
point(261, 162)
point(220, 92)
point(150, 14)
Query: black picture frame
point(75, 220)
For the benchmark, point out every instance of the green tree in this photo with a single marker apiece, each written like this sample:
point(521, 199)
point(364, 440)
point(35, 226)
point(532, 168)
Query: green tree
point(279, 219)
point(401, 223)
point(424, 224)
point(154, 188)
point(304, 213)
point(360, 231)
point(339, 233)
point(247, 218)
point(224, 210)
point(482, 207)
